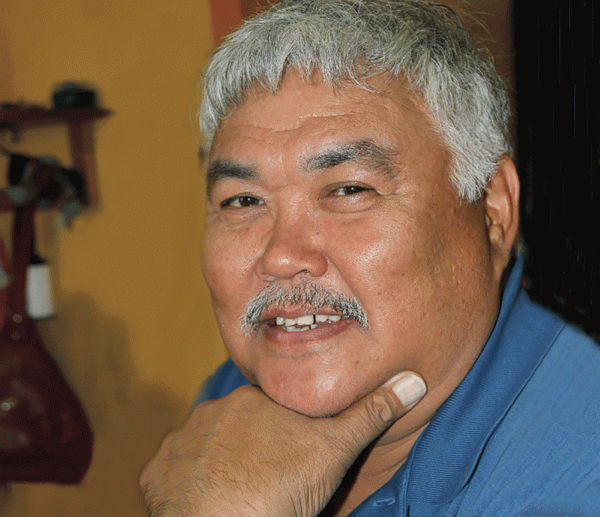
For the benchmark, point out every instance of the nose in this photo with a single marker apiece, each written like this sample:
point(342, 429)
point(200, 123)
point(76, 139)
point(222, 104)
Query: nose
point(292, 248)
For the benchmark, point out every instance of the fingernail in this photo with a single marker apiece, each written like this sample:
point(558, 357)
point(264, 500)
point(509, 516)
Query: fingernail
point(409, 388)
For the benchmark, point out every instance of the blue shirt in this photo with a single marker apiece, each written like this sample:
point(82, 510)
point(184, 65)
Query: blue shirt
point(520, 436)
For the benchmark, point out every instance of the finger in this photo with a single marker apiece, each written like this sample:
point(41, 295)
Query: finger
point(374, 413)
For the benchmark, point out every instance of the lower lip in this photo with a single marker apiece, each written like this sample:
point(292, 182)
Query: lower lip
point(279, 337)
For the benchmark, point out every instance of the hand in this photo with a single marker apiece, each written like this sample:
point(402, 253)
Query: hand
point(245, 455)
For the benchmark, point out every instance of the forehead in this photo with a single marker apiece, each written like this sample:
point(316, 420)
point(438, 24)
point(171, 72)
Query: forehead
point(303, 117)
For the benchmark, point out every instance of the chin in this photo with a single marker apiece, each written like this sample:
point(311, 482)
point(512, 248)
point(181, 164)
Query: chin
point(311, 400)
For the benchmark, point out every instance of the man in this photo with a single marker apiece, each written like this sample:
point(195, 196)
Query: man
point(362, 217)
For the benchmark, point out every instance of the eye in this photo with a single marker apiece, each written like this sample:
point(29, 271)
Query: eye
point(348, 190)
point(346, 197)
point(242, 201)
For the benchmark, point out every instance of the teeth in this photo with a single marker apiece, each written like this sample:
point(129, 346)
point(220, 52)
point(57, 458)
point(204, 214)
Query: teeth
point(296, 329)
point(305, 322)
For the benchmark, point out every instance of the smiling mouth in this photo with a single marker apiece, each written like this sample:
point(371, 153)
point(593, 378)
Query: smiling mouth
point(299, 308)
point(304, 323)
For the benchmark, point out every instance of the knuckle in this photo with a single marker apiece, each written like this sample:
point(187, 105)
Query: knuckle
point(379, 408)
point(145, 477)
point(376, 413)
point(384, 407)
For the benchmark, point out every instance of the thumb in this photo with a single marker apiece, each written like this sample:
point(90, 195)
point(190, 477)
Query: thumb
point(375, 412)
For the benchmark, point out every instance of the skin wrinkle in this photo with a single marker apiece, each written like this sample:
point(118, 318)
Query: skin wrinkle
point(365, 152)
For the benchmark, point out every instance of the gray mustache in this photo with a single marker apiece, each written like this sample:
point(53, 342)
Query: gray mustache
point(314, 297)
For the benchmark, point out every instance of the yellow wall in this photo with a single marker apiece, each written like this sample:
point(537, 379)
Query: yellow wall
point(134, 333)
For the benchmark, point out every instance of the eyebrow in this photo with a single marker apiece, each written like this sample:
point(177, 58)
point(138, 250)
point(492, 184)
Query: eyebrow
point(361, 150)
point(222, 169)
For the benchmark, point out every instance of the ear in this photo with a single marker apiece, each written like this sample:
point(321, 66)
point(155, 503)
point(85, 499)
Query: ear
point(501, 205)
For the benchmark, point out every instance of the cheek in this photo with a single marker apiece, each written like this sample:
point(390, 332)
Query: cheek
point(224, 266)
point(224, 270)
point(397, 268)
point(382, 266)
point(374, 256)
point(228, 256)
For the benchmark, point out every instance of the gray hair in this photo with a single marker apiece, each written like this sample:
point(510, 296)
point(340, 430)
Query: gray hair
point(425, 44)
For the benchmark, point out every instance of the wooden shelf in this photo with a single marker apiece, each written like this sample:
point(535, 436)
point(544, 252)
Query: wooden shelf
point(78, 121)
point(36, 116)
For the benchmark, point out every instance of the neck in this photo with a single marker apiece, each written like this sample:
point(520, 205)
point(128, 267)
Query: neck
point(373, 469)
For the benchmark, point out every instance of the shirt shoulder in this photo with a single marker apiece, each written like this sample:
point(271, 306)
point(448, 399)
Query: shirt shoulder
point(223, 381)
point(544, 457)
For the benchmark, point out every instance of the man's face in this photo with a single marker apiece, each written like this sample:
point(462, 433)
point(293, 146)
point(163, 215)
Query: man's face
point(348, 190)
